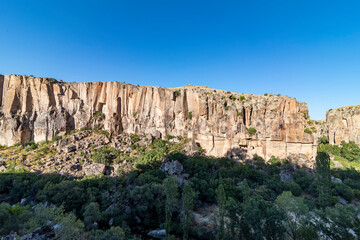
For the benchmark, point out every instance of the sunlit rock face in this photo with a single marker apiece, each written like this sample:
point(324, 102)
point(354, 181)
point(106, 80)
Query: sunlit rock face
point(33, 109)
point(344, 124)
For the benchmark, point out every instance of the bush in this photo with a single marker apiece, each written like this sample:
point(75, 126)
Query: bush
point(53, 80)
point(251, 131)
point(308, 131)
point(343, 191)
point(99, 115)
point(323, 140)
point(233, 98)
point(226, 108)
point(44, 149)
point(350, 151)
point(102, 155)
point(304, 179)
point(134, 138)
point(30, 145)
point(189, 116)
point(177, 94)
point(294, 188)
point(242, 98)
point(56, 138)
point(275, 161)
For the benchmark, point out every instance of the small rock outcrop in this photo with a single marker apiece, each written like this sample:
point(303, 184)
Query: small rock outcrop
point(94, 168)
point(171, 168)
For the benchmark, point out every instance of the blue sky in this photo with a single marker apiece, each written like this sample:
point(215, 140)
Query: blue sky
point(304, 49)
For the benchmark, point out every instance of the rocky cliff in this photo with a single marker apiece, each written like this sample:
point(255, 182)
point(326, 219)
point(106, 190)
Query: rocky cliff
point(343, 124)
point(223, 123)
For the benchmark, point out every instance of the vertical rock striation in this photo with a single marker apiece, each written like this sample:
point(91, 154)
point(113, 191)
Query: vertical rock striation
point(344, 124)
point(32, 108)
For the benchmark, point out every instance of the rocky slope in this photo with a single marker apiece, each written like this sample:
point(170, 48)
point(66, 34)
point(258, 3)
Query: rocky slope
point(222, 123)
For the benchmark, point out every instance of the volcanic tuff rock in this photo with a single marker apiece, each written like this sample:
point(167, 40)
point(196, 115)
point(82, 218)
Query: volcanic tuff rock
point(32, 108)
point(344, 124)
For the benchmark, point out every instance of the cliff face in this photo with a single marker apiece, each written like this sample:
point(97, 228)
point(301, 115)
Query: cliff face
point(35, 109)
point(344, 124)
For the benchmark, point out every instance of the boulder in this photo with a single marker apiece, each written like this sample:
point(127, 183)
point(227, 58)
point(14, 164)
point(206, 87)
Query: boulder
point(94, 168)
point(160, 234)
point(286, 176)
point(171, 168)
point(335, 180)
point(41, 233)
point(342, 200)
point(12, 236)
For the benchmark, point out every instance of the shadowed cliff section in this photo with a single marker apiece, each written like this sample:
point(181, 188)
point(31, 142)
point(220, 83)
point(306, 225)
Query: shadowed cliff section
point(33, 109)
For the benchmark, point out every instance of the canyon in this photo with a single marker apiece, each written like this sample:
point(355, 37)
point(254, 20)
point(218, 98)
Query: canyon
point(222, 123)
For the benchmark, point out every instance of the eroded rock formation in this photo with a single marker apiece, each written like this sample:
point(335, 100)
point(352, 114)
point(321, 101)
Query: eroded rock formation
point(35, 109)
point(343, 124)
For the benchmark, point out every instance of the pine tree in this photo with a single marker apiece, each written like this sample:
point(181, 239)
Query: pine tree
point(171, 192)
point(188, 206)
point(323, 175)
point(221, 201)
point(246, 191)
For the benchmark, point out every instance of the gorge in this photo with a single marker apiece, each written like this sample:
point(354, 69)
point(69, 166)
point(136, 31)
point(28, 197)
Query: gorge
point(223, 123)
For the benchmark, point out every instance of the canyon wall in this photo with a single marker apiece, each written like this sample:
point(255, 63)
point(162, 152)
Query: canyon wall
point(33, 109)
point(343, 124)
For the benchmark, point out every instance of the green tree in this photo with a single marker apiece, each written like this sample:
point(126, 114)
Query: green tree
point(188, 205)
point(114, 233)
point(92, 215)
point(261, 219)
point(233, 213)
point(336, 223)
point(323, 175)
point(246, 191)
point(171, 193)
point(296, 216)
point(221, 202)
point(69, 228)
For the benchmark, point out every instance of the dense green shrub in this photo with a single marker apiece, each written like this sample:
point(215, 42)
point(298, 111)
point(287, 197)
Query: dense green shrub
point(275, 161)
point(103, 155)
point(304, 179)
point(308, 131)
point(99, 115)
point(189, 115)
point(53, 80)
point(177, 94)
point(294, 188)
point(251, 131)
point(343, 191)
point(350, 151)
point(56, 138)
point(323, 140)
point(135, 138)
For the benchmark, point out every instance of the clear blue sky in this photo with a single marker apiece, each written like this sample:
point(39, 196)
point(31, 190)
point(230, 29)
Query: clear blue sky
point(304, 49)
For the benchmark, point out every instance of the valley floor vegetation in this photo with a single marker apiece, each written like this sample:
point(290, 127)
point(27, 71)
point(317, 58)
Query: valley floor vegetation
point(219, 199)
